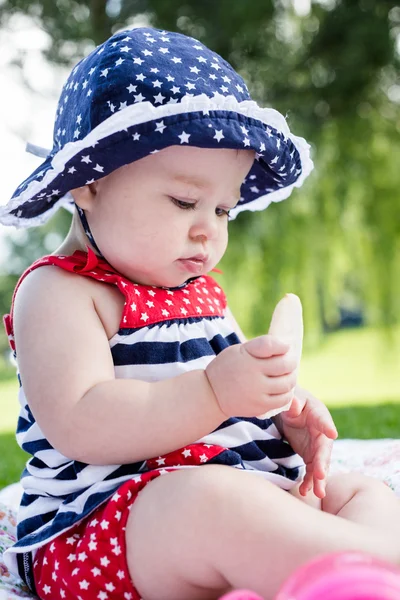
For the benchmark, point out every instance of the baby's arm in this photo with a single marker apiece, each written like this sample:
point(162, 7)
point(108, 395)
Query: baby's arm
point(88, 415)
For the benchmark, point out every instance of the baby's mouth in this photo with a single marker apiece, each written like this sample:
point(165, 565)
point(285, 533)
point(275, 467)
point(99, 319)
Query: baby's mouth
point(194, 264)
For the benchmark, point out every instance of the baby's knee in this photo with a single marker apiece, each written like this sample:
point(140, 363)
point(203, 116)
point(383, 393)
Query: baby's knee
point(342, 487)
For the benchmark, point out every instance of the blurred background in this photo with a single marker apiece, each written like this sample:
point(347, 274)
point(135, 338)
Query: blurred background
point(332, 68)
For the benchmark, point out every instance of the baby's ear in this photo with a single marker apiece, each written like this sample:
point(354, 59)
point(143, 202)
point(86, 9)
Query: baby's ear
point(84, 196)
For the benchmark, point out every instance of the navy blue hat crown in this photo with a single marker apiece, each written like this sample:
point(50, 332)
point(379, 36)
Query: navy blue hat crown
point(144, 90)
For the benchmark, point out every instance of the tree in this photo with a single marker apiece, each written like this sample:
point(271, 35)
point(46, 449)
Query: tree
point(334, 73)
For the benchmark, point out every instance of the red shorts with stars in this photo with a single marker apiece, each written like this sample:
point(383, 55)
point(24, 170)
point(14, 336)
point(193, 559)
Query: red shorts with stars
point(88, 562)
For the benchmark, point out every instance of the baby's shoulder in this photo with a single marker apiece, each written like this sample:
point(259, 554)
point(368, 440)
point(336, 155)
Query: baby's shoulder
point(44, 288)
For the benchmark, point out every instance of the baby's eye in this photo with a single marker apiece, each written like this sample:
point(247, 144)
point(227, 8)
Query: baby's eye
point(183, 204)
point(220, 212)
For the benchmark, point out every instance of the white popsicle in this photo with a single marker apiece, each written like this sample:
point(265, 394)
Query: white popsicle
point(287, 324)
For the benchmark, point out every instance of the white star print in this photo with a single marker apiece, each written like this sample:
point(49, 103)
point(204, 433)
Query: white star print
point(147, 53)
point(246, 142)
point(163, 50)
point(139, 98)
point(164, 312)
point(98, 168)
point(184, 137)
point(120, 574)
point(150, 304)
point(95, 571)
point(104, 561)
point(203, 458)
point(160, 461)
point(170, 78)
point(92, 545)
point(176, 60)
point(136, 137)
point(157, 83)
point(125, 49)
point(71, 540)
point(119, 62)
point(84, 584)
point(104, 524)
point(46, 589)
point(82, 556)
point(86, 159)
point(187, 452)
point(131, 88)
point(140, 77)
point(159, 98)
point(175, 90)
point(102, 595)
point(160, 126)
point(144, 317)
point(218, 135)
point(104, 72)
point(169, 302)
point(110, 587)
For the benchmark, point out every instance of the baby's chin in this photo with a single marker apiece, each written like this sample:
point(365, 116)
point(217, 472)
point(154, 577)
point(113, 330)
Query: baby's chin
point(161, 281)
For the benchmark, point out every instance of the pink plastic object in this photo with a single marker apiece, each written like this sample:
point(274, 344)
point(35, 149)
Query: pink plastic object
point(241, 595)
point(343, 576)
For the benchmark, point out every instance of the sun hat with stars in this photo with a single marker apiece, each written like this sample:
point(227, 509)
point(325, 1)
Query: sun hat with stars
point(144, 90)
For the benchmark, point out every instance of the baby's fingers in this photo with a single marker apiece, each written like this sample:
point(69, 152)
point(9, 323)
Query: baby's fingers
point(322, 456)
point(323, 422)
point(265, 346)
point(280, 365)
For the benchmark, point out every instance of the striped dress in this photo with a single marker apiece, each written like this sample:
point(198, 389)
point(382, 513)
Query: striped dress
point(163, 333)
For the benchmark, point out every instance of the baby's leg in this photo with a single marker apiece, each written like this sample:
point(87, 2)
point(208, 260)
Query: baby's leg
point(364, 500)
point(195, 533)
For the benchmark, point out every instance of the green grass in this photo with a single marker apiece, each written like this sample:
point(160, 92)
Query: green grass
point(354, 367)
point(355, 372)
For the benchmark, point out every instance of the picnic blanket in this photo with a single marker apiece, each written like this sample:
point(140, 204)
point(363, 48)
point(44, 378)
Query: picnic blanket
point(377, 458)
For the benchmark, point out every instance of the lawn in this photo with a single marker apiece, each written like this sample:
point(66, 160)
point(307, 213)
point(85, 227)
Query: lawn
point(355, 372)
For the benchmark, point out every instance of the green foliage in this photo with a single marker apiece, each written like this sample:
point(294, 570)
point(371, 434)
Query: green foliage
point(333, 73)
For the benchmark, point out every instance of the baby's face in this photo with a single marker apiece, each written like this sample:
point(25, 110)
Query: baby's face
point(164, 218)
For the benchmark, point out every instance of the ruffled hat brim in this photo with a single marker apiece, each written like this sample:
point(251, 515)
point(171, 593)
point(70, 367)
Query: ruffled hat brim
point(282, 160)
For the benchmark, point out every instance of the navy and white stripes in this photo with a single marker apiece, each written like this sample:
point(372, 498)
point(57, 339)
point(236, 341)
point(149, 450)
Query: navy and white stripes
point(58, 491)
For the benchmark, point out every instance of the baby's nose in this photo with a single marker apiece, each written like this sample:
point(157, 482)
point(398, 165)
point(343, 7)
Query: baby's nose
point(204, 229)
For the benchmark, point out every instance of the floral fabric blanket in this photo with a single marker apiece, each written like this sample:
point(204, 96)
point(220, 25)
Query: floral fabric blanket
point(377, 458)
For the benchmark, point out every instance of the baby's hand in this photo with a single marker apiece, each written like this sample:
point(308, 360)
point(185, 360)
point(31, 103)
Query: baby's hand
point(252, 378)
